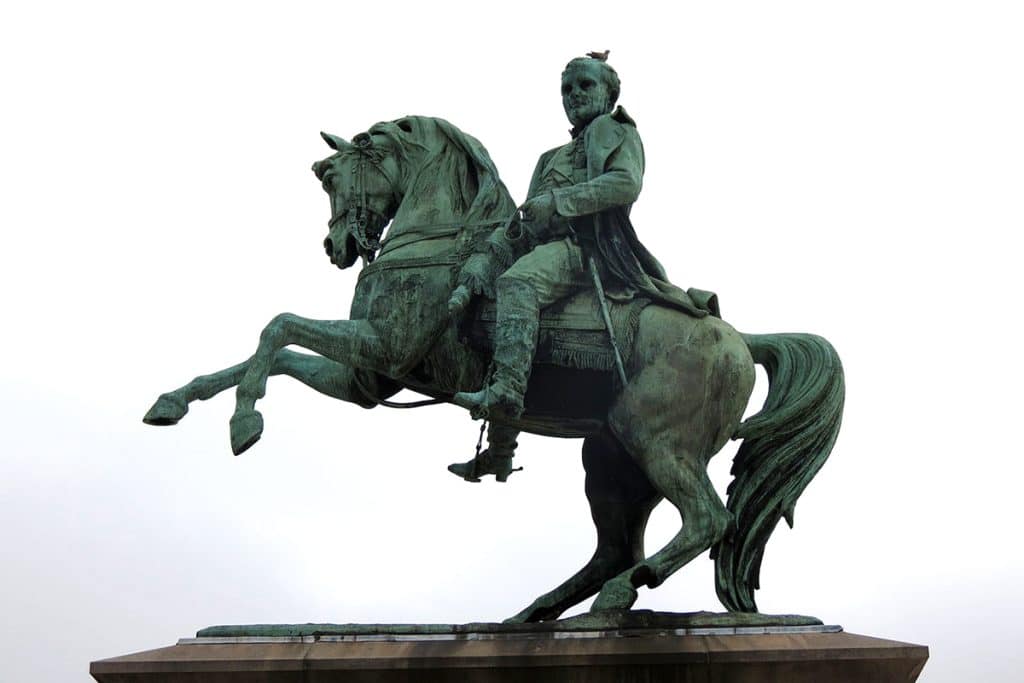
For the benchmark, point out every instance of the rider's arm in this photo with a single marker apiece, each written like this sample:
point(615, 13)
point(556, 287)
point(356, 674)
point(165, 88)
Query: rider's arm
point(497, 252)
point(619, 185)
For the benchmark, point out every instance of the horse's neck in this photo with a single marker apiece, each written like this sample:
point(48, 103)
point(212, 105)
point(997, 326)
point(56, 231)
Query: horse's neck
point(419, 216)
point(418, 224)
point(443, 200)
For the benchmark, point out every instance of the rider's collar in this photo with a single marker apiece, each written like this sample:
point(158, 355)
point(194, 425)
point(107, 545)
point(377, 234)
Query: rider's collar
point(619, 114)
point(577, 131)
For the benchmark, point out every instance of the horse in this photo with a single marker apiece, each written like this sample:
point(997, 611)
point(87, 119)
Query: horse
point(433, 194)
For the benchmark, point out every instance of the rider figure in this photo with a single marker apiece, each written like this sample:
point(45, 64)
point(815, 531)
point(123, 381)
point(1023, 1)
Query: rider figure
point(576, 215)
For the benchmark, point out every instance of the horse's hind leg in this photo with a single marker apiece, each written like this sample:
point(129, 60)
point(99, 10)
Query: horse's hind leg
point(621, 500)
point(682, 479)
point(676, 414)
point(322, 374)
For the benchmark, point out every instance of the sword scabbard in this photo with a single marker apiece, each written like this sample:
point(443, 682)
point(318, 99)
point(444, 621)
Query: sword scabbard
point(602, 303)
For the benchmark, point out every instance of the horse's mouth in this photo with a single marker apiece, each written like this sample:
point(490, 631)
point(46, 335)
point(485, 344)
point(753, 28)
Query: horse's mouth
point(342, 258)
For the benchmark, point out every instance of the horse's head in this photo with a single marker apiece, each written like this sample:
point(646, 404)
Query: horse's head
point(419, 171)
point(361, 179)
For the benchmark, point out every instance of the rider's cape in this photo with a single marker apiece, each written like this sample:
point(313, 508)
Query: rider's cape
point(615, 164)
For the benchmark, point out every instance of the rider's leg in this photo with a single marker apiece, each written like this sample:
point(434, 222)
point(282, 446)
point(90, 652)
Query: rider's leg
point(515, 339)
point(543, 276)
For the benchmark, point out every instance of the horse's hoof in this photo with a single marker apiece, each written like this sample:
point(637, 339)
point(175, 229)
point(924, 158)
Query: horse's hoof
point(540, 610)
point(527, 616)
point(246, 429)
point(167, 410)
point(617, 593)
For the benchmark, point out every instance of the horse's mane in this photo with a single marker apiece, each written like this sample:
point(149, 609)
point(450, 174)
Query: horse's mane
point(453, 179)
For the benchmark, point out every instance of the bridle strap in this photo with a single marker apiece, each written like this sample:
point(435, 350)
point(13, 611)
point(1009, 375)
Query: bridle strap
point(367, 155)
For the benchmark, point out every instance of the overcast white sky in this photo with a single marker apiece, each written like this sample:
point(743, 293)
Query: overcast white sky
point(853, 170)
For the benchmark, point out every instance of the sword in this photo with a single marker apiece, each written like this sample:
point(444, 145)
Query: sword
point(599, 289)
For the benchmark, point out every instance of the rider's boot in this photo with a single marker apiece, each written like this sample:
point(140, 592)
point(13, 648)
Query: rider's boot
point(496, 459)
point(515, 339)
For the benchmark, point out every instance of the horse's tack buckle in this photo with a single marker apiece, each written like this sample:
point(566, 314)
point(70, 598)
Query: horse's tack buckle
point(514, 225)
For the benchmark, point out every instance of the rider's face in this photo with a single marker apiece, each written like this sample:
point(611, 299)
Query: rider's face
point(585, 95)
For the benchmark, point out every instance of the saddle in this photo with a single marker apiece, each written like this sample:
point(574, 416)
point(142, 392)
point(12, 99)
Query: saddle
point(572, 331)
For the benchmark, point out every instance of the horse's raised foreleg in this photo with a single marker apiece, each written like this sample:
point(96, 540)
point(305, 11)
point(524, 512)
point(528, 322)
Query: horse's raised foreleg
point(621, 500)
point(172, 406)
point(353, 343)
point(322, 374)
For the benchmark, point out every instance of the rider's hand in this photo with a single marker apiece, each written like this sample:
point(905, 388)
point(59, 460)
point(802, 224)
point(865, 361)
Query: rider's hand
point(540, 209)
point(478, 274)
point(475, 277)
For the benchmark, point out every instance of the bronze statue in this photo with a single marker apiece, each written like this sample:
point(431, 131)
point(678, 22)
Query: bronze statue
point(587, 339)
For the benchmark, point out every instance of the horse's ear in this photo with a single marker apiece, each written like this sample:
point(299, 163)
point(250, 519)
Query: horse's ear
point(335, 143)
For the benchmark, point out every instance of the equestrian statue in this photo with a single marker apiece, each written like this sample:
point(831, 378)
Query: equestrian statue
point(552, 318)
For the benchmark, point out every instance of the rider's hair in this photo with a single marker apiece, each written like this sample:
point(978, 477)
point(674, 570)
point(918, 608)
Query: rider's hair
point(611, 78)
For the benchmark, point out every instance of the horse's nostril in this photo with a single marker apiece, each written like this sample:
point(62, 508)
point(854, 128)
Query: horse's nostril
point(329, 246)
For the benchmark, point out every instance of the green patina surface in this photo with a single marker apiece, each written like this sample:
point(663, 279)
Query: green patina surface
point(655, 382)
point(592, 621)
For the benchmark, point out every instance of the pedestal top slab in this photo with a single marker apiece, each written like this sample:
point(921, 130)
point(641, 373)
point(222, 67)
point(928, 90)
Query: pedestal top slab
point(792, 654)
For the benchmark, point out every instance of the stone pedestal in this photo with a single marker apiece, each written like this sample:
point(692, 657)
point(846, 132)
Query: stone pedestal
point(790, 654)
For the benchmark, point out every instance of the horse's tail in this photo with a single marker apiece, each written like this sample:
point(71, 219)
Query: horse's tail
point(784, 446)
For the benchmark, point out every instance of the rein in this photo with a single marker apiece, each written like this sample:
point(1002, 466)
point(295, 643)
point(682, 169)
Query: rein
point(394, 404)
point(422, 233)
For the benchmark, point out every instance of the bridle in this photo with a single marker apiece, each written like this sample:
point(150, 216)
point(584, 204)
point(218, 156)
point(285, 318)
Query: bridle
point(363, 223)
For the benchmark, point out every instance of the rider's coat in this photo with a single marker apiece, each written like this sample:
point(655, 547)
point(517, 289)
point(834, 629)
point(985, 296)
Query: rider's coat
point(594, 180)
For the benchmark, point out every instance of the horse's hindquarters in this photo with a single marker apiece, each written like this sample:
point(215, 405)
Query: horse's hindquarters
point(690, 381)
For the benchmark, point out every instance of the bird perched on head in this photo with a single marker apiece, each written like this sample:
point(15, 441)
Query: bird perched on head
point(603, 56)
